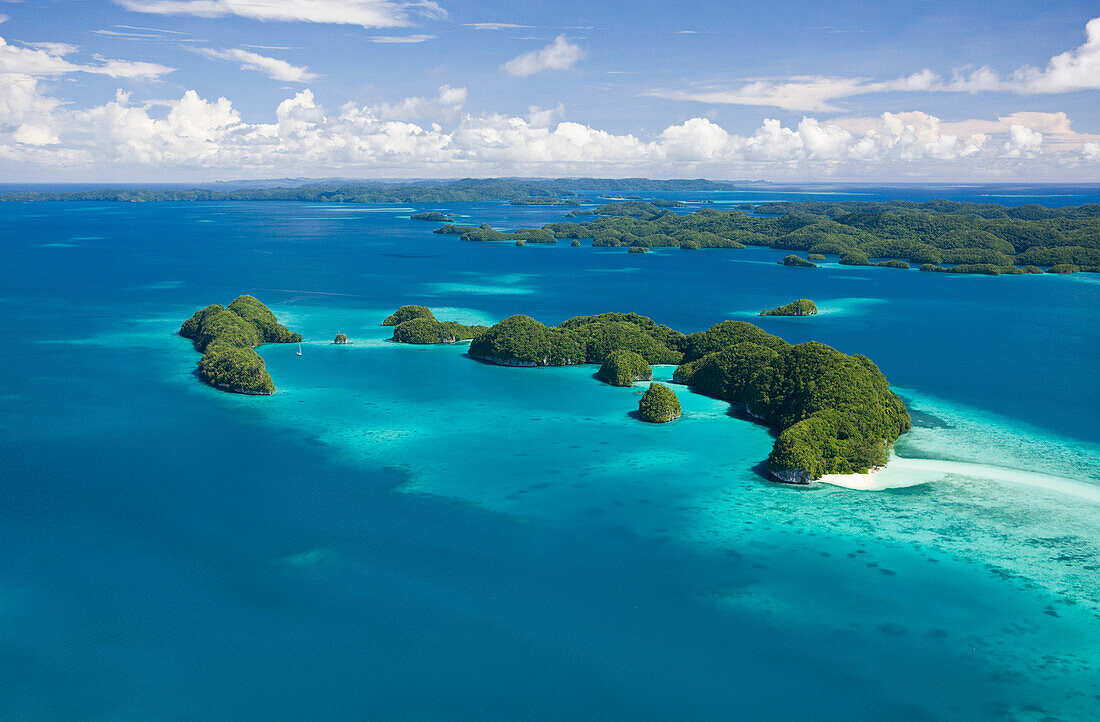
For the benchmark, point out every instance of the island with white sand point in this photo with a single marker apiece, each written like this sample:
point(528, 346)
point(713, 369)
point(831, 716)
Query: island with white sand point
point(835, 414)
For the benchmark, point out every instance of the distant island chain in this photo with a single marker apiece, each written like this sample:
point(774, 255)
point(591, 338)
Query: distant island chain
point(940, 236)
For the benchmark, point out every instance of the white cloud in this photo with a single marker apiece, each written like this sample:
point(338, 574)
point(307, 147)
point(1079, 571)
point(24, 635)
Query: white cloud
point(795, 94)
point(1056, 129)
point(49, 59)
point(811, 93)
point(1022, 141)
point(544, 117)
point(271, 67)
point(1077, 69)
point(494, 26)
point(195, 136)
point(23, 103)
point(139, 33)
point(558, 55)
point(420, 38)
point(367, 13)
point(126, 68)
point(34, 135)
point(128, 35)
point(445, 105)
point(153, 30)
point(55, 48)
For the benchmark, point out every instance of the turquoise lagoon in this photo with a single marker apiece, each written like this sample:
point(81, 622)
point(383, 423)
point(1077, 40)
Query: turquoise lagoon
point(404, 533)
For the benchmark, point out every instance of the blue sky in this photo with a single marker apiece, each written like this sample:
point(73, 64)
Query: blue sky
point(158, 90)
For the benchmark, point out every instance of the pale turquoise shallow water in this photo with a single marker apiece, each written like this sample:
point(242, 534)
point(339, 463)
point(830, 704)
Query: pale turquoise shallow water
point(402, 532)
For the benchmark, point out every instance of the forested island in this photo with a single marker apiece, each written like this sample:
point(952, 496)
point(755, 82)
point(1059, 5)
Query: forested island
point(801, 307)
point(939, 236)
point(797, 262)
point(834, 413)
point(434, 216)
point(515, 190)
point(659, 405)
point(418, 325)
point(486, 233)
point(227, 337)
point(623, 368)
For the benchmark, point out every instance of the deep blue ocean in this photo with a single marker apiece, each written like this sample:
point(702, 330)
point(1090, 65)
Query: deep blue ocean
point(403, 533)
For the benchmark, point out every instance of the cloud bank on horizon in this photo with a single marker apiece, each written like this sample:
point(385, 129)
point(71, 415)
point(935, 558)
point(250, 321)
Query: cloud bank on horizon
point(174, 117)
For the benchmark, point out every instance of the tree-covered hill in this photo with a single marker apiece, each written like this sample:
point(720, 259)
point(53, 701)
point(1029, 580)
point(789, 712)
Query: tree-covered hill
point(835, 413)
point(226, 336)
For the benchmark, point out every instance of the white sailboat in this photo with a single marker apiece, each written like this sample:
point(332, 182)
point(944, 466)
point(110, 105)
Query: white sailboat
point(299, 348)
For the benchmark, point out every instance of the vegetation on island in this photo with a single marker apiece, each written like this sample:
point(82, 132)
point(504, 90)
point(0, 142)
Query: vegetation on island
point(522, 341)
point(407, 313)
point(659, 404)
point(801, 307)
point(835, 413)
point(227, 337)
point(341, 338)
point(422, 330)
point(605, 333)
point(485, 233)
point(1063, 268)
point(987, 269)
point(434, 216)
point(623, 368)
point(798, 262)
point(638, 249)
point(418, 325)
point(968, 237)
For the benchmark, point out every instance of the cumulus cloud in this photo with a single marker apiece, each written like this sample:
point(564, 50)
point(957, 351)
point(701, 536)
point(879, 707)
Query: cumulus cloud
point(1022, 141)
point(1077, 69)
point(367, 13)
point(558, 55)
point(543, 117)
point(209, 136)
point(1056, 128)
point(271, 67)
point(445, 105)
